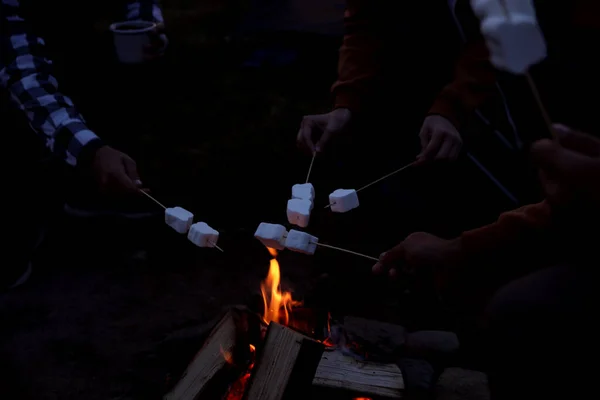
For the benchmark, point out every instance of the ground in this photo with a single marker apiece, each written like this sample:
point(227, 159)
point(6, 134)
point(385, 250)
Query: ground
point(105, 293)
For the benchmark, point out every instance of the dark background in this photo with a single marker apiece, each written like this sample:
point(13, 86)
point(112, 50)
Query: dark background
point(218, 138)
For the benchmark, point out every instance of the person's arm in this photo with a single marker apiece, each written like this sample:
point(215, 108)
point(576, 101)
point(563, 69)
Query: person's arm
point(144, 10)
point(359, 60)
point(27, 75)
point(520, 233)
point(474, 82)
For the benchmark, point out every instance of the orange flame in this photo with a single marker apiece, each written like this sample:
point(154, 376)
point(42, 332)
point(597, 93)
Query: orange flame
point(272, 252)
point(277, 304)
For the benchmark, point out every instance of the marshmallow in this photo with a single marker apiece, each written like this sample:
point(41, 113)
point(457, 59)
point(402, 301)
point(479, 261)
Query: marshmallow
point(271, 235)
point(494, 8)
point(203, 235)
point(179, 219)
point(512, 34)
point(301, 242)
point(298, 212)
point(343, 200)
point(303, 191)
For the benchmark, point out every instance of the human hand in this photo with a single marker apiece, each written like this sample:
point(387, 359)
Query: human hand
point(440, 140)
point(317, 130)
point(115, 172)
point(421, 252)
point(570, 168)
point(158, 43)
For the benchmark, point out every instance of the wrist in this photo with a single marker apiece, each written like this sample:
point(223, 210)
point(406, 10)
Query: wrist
point(85, 159)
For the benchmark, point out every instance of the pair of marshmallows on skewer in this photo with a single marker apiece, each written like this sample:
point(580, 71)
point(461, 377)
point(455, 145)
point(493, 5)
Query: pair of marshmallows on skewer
point(301, 204)
point(277, 237)
point(182, 221)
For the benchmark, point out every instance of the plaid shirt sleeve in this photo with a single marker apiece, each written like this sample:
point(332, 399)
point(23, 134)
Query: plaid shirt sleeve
point(145, 10)
point(27, 75)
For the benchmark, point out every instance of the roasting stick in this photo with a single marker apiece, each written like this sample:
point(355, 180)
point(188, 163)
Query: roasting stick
point(533, 86)
point(538, 99)
point(217, 247)
point(163, 206)
point(153, 199)
point(382, 178)
point(387, 176)
point(347, 251)
point(311, 165)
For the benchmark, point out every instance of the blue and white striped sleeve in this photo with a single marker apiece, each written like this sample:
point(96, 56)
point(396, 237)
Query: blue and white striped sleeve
point(27, 75)
point(144, 10)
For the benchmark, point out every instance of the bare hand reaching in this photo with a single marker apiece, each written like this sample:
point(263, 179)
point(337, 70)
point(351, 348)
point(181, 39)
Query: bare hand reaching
point(418, 253)
point(115, 172)
point(316, 131)
point(440, 140)
point(570, 168)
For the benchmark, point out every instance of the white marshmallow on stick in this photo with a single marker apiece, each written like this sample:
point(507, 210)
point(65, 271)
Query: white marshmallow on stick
point(203, 235)
point(298, 212)
point(301, 242)
point(271, 235)
point(512, 34)
point(343, 200)
point(303, 191)
point(179, 219)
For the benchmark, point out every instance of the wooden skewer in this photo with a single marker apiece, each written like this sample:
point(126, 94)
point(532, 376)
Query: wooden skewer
point(153, 199)
point(311, 165)
point(538, 100)
point(382, 178)
point(387, 176)
point(533, 86)
point(217, 247)
point(347, 251)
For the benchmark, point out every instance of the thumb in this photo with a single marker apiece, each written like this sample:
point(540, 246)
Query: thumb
point(577, 141)
point(130, 179)
point(424, 137)
point(388, 258)
point(560, 162)
point(393, 255)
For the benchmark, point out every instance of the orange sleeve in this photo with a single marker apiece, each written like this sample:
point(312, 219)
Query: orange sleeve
point(359, 61)
point(474, 82)
point(517, 232)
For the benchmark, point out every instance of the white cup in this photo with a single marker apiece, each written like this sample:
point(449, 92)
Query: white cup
point(130, 39)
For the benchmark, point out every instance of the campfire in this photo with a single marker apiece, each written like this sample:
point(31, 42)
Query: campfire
point(277, 304)
point(276, 356)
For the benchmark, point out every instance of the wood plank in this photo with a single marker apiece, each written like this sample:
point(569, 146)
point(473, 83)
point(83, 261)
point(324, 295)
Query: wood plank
point(369, 379)
point(286, 365)
point(213, 369)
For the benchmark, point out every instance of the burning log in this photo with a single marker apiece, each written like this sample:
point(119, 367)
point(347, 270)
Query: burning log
point(222, 358)
point(337, 371)
point(286, 366)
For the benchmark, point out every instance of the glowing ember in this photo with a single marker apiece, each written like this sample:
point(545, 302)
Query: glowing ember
point(237, 389)
point(227, 356)
point(277, 304)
